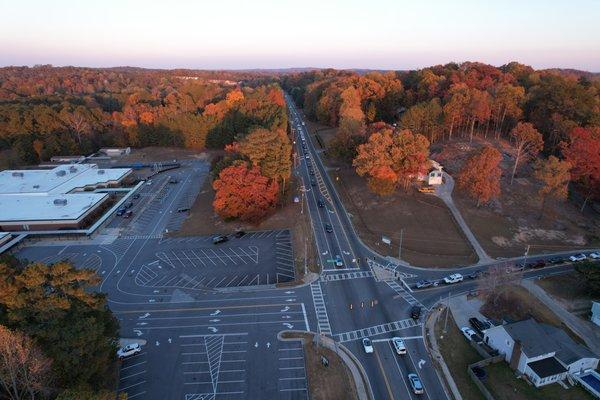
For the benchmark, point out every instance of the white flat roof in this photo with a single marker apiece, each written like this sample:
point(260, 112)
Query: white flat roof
point(59, 180)
point(43, 208)
point(3, 235)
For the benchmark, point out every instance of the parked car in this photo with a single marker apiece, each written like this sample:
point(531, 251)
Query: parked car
point(220, 239)
point(136, 196)
point(538, 264)
point(367, 345)
point(399, 345)
point(129, 204)
point(577, 257)
point(415, 383)
point(149, 182)
point(478, 325)
point(479, 373)
point(239, 234)
point(594, 256)
point(129, 350)
point(475, 274)
point(313, 182)
point(424, 283)
point(128, 214)
point(468, 332)
point(173, 181)
point(454, 278)
point(121, 211)
point(183, 209)
point(339, 263)
point(556, 260)
point(311, 172)
point(328, 228)
point(320, 203)
point(415, 312)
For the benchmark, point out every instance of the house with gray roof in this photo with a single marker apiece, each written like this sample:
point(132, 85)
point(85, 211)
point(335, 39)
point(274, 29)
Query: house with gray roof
point(543, 353)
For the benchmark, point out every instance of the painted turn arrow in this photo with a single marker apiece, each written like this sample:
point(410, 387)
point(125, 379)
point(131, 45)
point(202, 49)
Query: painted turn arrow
point(215, 313)
point(212, 329)
point(421, 363)
point(287, 325)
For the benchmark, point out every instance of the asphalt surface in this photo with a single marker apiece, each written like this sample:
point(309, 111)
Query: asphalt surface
point(209, 314)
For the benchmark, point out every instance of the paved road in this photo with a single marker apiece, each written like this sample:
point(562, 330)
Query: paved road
point(207, 339)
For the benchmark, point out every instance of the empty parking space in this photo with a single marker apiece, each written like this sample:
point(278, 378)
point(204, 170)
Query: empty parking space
point(257, 258)
point(132, 376)
point(291, 383)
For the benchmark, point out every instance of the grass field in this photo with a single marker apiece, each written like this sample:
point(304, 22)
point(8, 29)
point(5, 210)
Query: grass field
point(333, 382)
point(430, 237)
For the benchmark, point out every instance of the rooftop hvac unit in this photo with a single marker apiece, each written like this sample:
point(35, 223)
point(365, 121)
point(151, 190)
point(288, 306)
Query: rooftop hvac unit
point(60, 202)
point(17, 174)
point(36, 186)
point(100, 172)
point(61, 172)
point(72, 169)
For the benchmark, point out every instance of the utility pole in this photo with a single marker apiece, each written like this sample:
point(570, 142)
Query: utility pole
point(447, 310)
point(400, 247)
point(305, 256)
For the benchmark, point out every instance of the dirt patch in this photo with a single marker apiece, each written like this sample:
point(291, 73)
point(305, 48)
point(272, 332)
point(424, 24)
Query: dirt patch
point(507, 225)
point(568, 290)
point(333, 382)
point(518, 304)
point(430, 237)
point(204, 221)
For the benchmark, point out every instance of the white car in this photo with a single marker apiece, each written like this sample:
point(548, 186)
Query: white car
point(367, 345)
point(129, 350)
point(577, 257)
point(399, 345)
point(454, 278)
point(595, 256)
point(468, 332)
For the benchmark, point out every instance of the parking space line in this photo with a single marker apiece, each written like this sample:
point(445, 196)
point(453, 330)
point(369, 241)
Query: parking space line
point(133, 365)
point(207, 256)
point(130, 386)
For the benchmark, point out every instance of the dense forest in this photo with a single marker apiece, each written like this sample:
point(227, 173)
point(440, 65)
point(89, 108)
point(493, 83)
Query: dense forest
point(46, 111)
point(552, 111)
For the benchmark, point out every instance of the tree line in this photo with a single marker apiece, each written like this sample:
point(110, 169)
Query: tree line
point(549, 111)
point(46, 111)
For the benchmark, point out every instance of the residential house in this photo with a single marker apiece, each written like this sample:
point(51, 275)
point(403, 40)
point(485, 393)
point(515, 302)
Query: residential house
point(541, 352)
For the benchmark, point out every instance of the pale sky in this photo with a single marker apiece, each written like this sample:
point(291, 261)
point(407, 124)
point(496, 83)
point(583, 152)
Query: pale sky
point(234, 34)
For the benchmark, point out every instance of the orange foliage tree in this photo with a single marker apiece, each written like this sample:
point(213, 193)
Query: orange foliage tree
point(389, 158)
point(243, 193)
point(583, 153)
point(555, 177)
point(527, 141)
point(480, 175)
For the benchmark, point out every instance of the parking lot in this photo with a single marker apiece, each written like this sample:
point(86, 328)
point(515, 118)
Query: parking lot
point(258, 258)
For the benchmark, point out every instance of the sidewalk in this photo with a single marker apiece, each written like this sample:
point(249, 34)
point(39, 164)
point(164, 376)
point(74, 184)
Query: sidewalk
point(585, 329)
point(444, 192)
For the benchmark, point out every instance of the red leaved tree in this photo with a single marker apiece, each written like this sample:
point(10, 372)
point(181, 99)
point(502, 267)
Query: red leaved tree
point(480, 175)
point(243, 193)
point(583, 153)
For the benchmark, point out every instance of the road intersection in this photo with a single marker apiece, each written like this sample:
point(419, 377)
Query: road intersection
point(210, 314)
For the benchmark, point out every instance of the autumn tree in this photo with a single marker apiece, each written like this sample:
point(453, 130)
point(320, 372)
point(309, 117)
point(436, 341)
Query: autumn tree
point(478, 109)
point(507, 101)
point(455, 108)
point(583, 153)
point(352, 118)
point(24, 370)
point(389, 158)
point(270, 151)
point(480, 175)
point(555, 177)
point(527, 142)
point(494, 287)
point(53, 304)
point(243, 193)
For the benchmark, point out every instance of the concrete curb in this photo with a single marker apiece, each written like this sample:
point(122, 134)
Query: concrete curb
point(361, 379)
point(435, 354)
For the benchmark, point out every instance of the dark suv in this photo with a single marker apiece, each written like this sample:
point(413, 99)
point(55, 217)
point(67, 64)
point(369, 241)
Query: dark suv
point(415, 312)
point(220, 239)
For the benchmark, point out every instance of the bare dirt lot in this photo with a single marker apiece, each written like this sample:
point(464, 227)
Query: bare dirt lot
point(430, 236)
point(333, 382)
point(507, 225)
point(204, 221)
